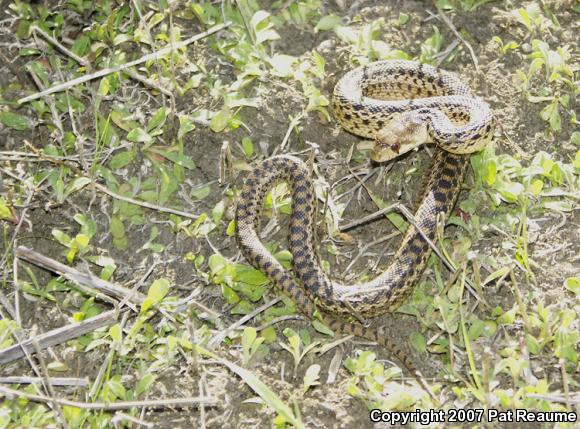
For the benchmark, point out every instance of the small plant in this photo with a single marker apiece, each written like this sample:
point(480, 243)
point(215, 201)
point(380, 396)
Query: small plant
point(311, 377)
point(466, 5)
point(372, 383)
point(297, 346)
point(431, 47)
point(250, 344)
point(504, 48)
point(79, 245)
point(364, 43)
point(531, 17)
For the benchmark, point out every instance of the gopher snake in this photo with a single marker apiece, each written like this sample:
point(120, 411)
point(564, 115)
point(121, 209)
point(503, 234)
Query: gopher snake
point(400, 104)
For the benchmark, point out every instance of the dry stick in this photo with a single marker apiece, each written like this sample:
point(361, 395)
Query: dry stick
point(148, 82)
point(189, 301)
point(5, 62)
point(369, 217)
point(449, 24)
point(293, 124)
point(101, 374)
point(143, 203)
point(367, 247)
point(564, 379)
point(120, 417)
point(26, 352)
point(102, 188)
point(55, 381)
point(133, 74)
point(121, 67)
point(158, 403)
point(20, 220)
point(24, 156)
point(202, 392)
point(334, 367)
point(411, 219)
point(58, 336)
point(48, 386)
point(60, 47)
point(52, 106)
point(15, 311)
point(278, 320)
point(219, 337)
point(87, 280)
point(573, 400)
point(442, 56)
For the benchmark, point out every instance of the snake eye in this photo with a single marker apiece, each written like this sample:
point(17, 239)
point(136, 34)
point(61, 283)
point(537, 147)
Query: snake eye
point(395, 147)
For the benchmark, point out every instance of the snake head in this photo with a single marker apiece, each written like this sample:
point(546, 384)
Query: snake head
point(403, 132)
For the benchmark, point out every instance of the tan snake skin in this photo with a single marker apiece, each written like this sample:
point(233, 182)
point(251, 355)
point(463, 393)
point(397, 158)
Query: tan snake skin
point(402, 100)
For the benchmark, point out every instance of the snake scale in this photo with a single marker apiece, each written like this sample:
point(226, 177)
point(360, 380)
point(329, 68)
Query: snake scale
point(398, 104)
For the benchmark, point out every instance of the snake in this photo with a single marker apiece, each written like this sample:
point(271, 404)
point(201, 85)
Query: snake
point(399, 105)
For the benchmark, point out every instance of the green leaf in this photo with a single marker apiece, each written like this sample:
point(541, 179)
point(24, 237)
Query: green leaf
point(82, 240)
point(282, 65)
point(269, 334)
point(77, 184)
point(104, 86)
point(551, 114)
point(248, 337)
point(508, 317)
point(322, 328)
point(230, 295)
point(176, 157)
point(220, 121)
point(117, 228)
point(249, 146)
point(139, 135)
point(573, 285)
point(476, 329)
point(243, 307)
point(115, 332)
point(218, 212)
point(155, 19)
point(121, 159)
point(14, 120)
point(259, 387)
point(328, 22)
point(23, 29)
point(185, 126)
point(561, 206)
point(158, 119)
point(201, 193)
point(490, 172)
point(250, 276)
point(5, 210)
point(121, 38)
point(263, 28)
point(311, 376)
point(496, 275)
point(61, 237)
point(403, 18)
point(116, 389)
point(398, 221)
point(82, 45)
point(418, 341)
point(534, 346)
point(144, 383)
point(158, 290)
point(510, 191)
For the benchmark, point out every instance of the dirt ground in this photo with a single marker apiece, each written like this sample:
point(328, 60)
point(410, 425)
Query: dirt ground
point(553, 242)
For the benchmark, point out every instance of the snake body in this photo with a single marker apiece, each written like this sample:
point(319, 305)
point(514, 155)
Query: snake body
point(434, 106)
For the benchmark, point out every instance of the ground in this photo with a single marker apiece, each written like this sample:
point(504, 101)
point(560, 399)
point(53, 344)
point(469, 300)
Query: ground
point(134, 177)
